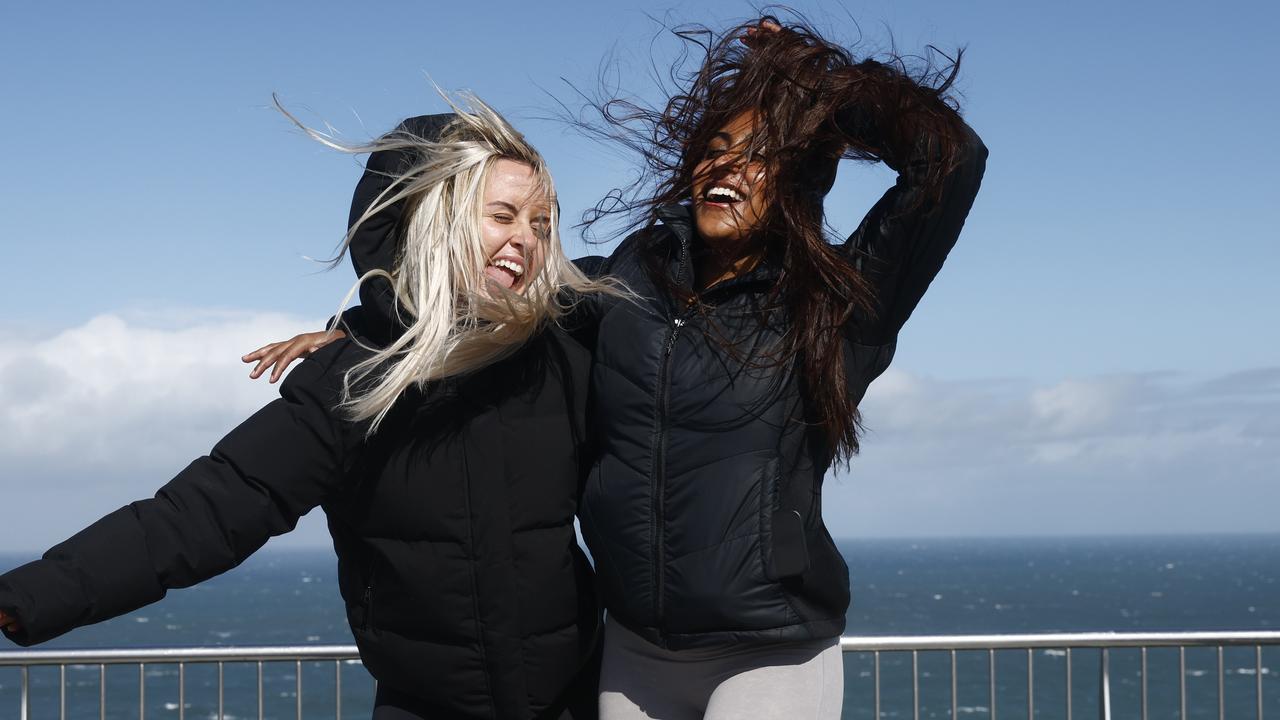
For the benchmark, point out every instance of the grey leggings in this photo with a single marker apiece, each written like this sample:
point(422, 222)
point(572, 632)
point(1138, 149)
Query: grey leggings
point(778, 681)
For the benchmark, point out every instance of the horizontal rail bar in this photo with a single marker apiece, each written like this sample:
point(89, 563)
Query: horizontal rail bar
point(867, 643)
point(133, 656)
point(1056, 640)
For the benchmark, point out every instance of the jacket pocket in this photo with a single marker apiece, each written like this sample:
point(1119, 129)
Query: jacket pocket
point(789, 556)
point(366, 608)
point(784, 543)
point(360, 612)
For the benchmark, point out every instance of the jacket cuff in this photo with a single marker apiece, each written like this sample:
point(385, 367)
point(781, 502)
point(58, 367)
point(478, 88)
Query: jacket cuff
point(103, 571)
point(19, 589)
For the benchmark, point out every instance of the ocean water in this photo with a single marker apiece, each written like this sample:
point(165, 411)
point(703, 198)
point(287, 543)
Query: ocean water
point(900, 587)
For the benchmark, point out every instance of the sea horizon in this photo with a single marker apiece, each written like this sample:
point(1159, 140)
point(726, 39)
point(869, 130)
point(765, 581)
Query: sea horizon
point(900, 586)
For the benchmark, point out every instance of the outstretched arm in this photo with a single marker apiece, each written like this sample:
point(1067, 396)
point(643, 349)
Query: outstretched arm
point(257, 481)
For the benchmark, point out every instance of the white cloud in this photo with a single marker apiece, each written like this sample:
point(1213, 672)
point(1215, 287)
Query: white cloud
point(1121, 453)
point(106, 412)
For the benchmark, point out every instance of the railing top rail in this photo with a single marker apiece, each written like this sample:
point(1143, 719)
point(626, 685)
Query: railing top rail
point(1058, 640)
point(866, 643)
point(133, 656)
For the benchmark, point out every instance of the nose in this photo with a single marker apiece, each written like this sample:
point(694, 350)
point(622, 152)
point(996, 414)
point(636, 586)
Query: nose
point(524, 238)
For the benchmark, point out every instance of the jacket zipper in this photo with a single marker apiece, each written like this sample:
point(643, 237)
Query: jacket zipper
point(659, 466)
point(657, 488)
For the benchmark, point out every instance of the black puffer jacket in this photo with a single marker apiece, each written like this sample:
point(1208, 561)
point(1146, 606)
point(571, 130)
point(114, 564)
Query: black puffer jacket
point(464, 583)
point(453, 525)
point(703, 508)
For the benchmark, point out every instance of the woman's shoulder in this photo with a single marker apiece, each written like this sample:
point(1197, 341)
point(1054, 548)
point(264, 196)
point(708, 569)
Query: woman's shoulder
point(627, 261)
point(322, 374)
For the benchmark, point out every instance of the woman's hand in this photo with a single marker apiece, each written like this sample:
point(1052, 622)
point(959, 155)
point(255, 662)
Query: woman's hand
point(280, 355)
point(9, 623)
point(767, 28)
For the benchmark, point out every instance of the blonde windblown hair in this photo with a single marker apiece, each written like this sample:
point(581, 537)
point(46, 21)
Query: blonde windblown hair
point(456, 322)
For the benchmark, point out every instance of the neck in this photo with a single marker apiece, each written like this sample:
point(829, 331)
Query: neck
point(715, 264)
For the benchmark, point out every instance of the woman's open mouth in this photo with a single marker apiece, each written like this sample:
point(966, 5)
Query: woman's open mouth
point(506, 272)
point(721, 195)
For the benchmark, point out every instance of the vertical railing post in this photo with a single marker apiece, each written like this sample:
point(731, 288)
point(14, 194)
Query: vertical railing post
point(1144, 684)
point(991, 673)
point(23, 703)
point(1104, 688)
point(1257, 674)
point(337, 689)
point(955, 706)
point(877, 682)
point(1182, 683)
point(1068, 683)
point(915, 684)
point(1031, 684)
point(1222, 701)
point(297, 688)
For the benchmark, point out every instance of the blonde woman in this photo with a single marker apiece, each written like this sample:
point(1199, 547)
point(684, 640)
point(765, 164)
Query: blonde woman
point(444, 452)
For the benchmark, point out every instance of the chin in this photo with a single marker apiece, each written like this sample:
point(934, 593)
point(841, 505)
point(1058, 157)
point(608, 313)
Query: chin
point(715, 231)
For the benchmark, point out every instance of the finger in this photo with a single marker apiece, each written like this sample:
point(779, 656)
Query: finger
point(257, 354)
point(283, 362)
point(265, 362)
point(277, 364)
point(269, 360)
point(256, 372)
point(768, 25)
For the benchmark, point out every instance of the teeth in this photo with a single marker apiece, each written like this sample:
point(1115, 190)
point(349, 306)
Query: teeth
point(509, 265)
point(725, 192)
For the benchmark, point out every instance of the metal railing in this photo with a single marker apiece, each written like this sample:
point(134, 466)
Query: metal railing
point(972, 665)
point(1068, 645)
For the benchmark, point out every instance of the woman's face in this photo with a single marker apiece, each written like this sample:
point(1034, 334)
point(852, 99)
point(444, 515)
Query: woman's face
point(515, 223)
point(731, 190)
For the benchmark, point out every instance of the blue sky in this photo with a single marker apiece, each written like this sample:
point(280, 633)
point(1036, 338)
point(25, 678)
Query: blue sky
point(1103, 330)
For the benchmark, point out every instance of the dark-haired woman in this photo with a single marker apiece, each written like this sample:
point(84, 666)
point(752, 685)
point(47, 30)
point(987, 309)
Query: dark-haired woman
point(721, 399)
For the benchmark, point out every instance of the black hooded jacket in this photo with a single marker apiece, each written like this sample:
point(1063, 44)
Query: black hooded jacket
point(453, 524)
point(703, 504)
point(703, 507)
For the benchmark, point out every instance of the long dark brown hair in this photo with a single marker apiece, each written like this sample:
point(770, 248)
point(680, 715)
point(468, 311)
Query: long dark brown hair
point(815, 104)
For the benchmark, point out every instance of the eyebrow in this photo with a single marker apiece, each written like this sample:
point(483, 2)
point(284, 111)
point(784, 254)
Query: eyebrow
point(506, 205)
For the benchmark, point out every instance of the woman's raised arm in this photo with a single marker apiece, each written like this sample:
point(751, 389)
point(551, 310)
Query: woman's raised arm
point(903, 241)
point(372, 247)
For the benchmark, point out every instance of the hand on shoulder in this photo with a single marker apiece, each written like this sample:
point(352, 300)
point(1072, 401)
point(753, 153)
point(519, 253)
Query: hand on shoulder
point(278, 356)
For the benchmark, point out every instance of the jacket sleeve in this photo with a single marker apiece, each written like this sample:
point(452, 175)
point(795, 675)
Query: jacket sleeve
point(376, 242)
point(584, 309)
point(255, 483)
point(902, 242)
